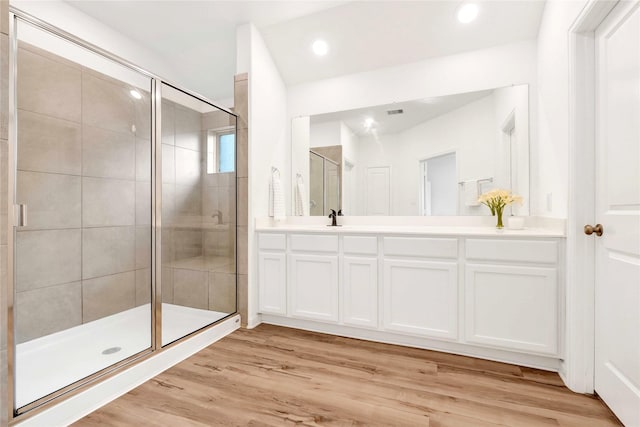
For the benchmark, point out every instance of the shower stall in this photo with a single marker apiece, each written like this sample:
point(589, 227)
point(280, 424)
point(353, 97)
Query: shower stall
point(123, 240)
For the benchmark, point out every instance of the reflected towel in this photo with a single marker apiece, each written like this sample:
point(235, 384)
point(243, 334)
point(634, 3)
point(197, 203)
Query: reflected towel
point(300, 198)
point(471, 190)
point(276, 199)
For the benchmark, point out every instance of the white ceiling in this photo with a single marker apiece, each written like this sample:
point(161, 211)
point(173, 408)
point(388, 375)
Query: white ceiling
point(414, 112)
point(363, 35)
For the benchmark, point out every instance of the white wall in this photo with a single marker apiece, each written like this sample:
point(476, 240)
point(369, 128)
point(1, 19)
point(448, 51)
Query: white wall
point(507, 101)
point(551, 176)
point(325, 134)
point(549, 172)
point(269, 132)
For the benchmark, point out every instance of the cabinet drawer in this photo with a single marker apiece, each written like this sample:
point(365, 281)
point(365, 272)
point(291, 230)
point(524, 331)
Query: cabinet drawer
point(364, 245)
point(541, 251)
point(272, 241)
point(314, 243)
point(421, 247)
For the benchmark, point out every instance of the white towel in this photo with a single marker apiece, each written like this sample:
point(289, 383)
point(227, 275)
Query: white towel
point(301, 203)
point(276, 201)
point(471, 190)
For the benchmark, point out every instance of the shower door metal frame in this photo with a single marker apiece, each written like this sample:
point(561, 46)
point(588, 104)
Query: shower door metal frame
point(43, 403)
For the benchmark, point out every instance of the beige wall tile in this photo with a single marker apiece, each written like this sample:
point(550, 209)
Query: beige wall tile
point(240, 105)
point(53, 200)
point(107, 295)
point(242, 244)
point(143, 247)
point(108, 250)
point(4, 18)
point(48, 257)
point(188, 128)
point(242, 153)
point(48, 87)
point(243, 201)
point(108, 154)
point(217, 119)
point(187, 166)
point(142, 111)
point(187, 244)
point(4, 83)
point(143, 286)
point(243, 298)
point(48, 144)
point(107, 202)
point(168, 249)
point(190, 288)
point(105, 104)
point(44, 311)
point(168, 204)
point(188, 199)
point(143, 203)
point(168, 164)
point(168, 122)
point(167, 285)
point(222, 292)
point(143, 159)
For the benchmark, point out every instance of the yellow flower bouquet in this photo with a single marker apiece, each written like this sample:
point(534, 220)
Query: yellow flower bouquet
point(496, 200)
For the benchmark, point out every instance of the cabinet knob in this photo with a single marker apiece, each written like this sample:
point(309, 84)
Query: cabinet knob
point(590, 229)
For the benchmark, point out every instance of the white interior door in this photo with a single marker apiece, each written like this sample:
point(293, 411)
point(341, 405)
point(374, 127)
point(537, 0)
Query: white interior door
point(379, 191)
point(617, 356)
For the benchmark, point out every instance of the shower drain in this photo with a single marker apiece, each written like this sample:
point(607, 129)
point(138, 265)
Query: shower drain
point(111, 350)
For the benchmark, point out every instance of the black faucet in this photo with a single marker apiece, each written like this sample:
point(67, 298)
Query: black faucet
point(332, 215)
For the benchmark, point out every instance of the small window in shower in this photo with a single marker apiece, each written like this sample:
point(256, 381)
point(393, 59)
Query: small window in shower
point(221, 152)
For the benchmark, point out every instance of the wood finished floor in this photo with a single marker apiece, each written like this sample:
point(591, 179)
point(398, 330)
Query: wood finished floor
point(278, 376)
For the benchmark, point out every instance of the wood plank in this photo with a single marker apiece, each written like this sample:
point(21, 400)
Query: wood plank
point(277, 376)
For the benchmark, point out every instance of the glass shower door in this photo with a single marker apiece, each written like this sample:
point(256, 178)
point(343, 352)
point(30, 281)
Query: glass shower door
point(198, 233)
point(82, 244)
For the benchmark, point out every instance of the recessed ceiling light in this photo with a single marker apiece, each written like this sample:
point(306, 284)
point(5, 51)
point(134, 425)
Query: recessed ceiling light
point(134, 93)
point(320, 47)
point(468, 12)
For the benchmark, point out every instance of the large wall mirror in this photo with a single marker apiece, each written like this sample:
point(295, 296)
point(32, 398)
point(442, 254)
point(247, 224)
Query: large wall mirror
point(431, 156)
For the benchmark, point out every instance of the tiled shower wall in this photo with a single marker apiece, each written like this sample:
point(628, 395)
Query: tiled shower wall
point(197, 248)
point(84, 173)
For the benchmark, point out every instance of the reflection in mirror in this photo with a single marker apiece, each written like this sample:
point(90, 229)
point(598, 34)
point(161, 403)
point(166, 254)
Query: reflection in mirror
point(431, 156)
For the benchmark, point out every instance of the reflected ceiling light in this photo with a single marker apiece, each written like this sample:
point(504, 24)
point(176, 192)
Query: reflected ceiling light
point(320, 47)
point(468, 12)
point(134, 93)
point(368, 122)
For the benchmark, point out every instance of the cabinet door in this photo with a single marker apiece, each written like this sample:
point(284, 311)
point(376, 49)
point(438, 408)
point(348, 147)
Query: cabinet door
point(512, 307)
point(360, 291)
point(313, 287)
point(272, 282)
point(421, 298)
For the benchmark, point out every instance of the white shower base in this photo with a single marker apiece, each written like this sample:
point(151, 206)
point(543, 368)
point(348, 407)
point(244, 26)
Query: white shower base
point(52, 362)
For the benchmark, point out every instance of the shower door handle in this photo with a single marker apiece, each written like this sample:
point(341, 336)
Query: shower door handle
point(21, 215)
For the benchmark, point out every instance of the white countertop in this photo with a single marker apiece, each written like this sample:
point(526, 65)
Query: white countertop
point(484, 231)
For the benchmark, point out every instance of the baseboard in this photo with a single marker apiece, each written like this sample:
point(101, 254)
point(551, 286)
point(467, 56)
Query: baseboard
point(521, 359)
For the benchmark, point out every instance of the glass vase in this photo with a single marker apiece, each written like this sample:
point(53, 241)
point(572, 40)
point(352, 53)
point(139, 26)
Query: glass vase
point(499, 211)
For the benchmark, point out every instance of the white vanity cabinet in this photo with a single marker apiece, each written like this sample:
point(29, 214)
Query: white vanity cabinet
point(272, 273)
point(360, 281)
point(495, 296)
point(421, 286)
point(512, 294)
point(313, 271)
